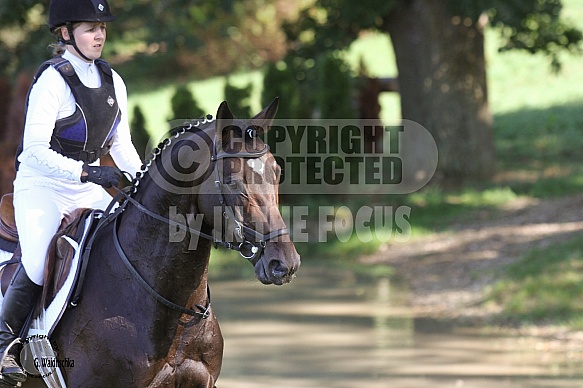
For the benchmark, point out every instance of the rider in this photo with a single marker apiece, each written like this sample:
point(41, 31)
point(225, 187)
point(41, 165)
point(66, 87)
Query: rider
point(76, 112)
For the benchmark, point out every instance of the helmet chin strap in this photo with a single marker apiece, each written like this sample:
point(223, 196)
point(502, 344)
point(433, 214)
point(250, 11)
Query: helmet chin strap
point(71, 41)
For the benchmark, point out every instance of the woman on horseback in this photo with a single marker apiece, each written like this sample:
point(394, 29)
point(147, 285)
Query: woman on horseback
point(76, 113)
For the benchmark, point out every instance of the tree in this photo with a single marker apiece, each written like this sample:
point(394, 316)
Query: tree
point(163, 38)
point(239, 99)
point(183, 104)
point(140, 135)
point(24, 36)
point(279, 81)
point(439, 49)
point(334, 89)
point(442, 78)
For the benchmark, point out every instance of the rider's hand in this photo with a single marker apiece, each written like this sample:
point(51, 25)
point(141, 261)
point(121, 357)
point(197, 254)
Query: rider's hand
point(105, 176)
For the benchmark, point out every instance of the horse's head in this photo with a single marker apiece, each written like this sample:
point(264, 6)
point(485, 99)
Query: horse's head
point(244, 186)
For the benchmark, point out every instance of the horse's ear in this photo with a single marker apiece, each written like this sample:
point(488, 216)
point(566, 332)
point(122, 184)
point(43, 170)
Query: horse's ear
point(263, 120)
point(224, 121)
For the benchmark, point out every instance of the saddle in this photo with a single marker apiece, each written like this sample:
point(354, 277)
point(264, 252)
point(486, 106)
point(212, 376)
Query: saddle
point(60, 252)
point(7, 222)
point(9, 240)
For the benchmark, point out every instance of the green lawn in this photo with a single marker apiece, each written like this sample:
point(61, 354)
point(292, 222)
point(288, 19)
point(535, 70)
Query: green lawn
point(546, 285)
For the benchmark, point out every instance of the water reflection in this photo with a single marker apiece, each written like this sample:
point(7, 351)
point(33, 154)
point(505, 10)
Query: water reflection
point(331, 328)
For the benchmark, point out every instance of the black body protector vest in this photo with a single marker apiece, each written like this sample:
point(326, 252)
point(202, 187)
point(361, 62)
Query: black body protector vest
point(88, 133)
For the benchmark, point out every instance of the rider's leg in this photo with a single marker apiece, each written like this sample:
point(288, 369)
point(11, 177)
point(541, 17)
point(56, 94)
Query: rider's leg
point(96, 198)
point(20, 299)
point(38, 214)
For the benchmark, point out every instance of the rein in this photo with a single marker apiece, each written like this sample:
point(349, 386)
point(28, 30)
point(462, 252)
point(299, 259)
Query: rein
point(204, 310)
point(253, 242)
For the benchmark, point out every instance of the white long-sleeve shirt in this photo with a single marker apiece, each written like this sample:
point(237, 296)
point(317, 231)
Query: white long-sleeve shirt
point(51, 99)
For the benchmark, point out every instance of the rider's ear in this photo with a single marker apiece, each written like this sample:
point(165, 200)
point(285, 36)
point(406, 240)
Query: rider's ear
point(263, 120)
point(224, 122)
point(64, 32)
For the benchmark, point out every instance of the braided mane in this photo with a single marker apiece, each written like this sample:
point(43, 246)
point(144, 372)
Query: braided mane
point(175, 133)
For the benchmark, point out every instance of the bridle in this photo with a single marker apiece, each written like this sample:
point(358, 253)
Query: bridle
point(253, 242)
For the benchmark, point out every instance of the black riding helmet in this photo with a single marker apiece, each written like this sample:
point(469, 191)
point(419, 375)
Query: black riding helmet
point(68, 12)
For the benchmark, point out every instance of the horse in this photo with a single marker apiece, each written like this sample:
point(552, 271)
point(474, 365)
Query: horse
point(145, 318)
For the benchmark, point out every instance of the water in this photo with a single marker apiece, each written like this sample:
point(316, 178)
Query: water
point(330, 328)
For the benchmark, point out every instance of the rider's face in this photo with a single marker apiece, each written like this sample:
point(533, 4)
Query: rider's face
point(89, 37)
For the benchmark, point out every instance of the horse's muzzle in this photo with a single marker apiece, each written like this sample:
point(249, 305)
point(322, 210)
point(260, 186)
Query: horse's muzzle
point(276, 271)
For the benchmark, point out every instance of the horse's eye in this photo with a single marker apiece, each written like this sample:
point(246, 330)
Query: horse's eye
point(251, 132)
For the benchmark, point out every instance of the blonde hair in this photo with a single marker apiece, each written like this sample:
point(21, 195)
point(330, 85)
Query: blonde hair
point(58, 48)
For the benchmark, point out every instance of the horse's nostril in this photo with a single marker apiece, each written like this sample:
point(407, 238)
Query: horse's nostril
point(278, 269)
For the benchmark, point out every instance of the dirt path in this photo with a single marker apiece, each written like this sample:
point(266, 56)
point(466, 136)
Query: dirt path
point(448, 272)
point(334, 329)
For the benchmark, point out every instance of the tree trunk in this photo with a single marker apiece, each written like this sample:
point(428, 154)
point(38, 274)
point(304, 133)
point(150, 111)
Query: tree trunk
point(442, 78)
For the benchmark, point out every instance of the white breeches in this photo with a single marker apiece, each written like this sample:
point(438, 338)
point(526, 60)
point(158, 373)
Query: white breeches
point(39, 208)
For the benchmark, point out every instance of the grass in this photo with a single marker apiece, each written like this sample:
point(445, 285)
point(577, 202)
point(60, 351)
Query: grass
point(546, 135)
point(545, 285)
point(435, 210)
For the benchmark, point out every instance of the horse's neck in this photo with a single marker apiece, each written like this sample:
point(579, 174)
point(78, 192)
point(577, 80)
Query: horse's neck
point(165, 255)
point(168, 264)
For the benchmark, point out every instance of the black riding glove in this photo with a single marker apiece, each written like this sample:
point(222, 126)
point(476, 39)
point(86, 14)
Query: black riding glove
point(105, 176)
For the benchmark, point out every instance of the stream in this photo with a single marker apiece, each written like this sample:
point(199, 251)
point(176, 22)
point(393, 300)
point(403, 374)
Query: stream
point(331, 328)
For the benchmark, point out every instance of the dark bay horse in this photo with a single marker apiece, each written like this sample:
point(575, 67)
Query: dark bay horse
point(221, 179)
